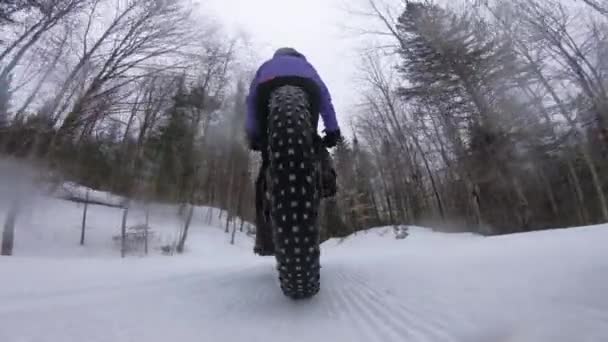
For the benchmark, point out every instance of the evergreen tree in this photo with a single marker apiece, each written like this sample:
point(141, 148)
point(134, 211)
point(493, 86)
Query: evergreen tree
point(454, 64)
point(172, 148)
point(456, 59)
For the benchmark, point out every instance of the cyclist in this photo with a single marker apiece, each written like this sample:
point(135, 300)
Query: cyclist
point(287, 67)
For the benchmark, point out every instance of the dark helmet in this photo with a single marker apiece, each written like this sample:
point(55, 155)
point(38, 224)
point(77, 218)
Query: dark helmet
point(287, 51)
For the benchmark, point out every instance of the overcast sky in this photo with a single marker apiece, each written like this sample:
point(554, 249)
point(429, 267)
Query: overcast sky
point(317, 28)
point(314, 27)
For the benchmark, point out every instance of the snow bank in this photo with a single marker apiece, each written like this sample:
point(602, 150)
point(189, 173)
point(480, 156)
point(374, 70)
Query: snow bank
point(75, 192)
point(547, 286)
point(50, 227)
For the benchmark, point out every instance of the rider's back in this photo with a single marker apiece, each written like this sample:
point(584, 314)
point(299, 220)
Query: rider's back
point(288, 62)
point(286, 65)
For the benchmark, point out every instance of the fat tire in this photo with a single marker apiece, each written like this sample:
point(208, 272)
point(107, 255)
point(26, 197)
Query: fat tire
point(293, 194)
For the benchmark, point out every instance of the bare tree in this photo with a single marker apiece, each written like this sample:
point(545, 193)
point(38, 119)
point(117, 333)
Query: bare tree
point(50, 14)
point(553, 25)
point(59, 50)
point(599, 5)
point(143, 32)
point(551, 21)
point(482, 111)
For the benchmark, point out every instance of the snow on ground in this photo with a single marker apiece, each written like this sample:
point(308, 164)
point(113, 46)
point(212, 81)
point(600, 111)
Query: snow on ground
point(51, 228)
point(543, 286)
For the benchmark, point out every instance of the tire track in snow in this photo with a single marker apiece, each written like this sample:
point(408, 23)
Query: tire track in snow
point(117, 286)
point(372, 317)
point(366, 331)
point(331, 309)
point(332, 303)
point(395, 321)
point(384, 311)
point(375, 318)
point(420, 306)
point(398, 316)
point(97, 293)
point(434, 318)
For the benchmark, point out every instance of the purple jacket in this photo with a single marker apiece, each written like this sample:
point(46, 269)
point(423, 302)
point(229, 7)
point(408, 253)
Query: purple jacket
point(288, 65)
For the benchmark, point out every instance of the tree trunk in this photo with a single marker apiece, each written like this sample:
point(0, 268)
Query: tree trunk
point(582, 210)
point(524, 206)
point(147, 229)
point(353, 215)
point(241, 196)
point(597, 183)
point(474, 197)
point(123, 232)
point(229, 190)
point(550, 193)
point(233, 234)
point(182, 240)
point(228, 220)
point(84, 218)
point(432, 179)
point(390, 208)
point(209, 215)
point(376, 209)
point(8, 234)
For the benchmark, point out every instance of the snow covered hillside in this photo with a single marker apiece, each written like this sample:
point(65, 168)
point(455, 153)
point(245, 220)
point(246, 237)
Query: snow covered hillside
point(51, 228)
point(543, 286)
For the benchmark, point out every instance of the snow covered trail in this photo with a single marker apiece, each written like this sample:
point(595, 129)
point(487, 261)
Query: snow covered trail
point(544, 286)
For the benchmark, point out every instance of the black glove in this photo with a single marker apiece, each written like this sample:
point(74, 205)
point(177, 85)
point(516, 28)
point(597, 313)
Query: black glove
point(331, 139)
point(254, 144)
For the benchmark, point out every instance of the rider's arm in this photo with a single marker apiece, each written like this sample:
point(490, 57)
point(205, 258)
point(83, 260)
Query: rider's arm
point(328, 113)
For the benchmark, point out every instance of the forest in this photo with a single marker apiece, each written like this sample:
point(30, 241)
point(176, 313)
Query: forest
point(491, 117)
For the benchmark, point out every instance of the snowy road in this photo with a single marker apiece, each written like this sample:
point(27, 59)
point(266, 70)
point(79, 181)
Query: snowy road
point(548, 286)
point(234, 304)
